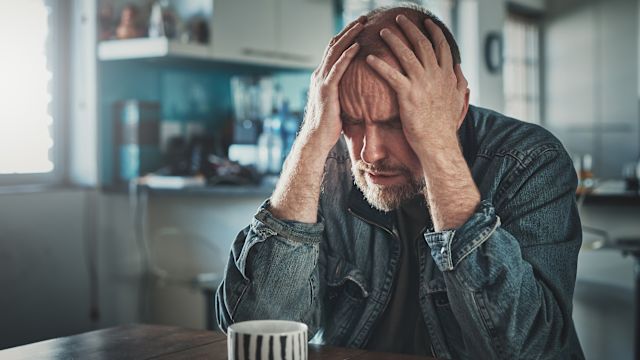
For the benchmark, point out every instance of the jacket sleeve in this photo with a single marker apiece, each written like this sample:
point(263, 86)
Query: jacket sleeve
point(272, 273)
point(510, 269)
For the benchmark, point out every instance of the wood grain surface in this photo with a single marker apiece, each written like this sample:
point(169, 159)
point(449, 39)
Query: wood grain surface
point(162, 342)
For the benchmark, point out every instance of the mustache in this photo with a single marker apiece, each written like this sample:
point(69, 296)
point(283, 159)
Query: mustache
point(382, 166)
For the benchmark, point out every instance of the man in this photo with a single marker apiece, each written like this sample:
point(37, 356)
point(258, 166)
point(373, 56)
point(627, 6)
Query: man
point(434, 228)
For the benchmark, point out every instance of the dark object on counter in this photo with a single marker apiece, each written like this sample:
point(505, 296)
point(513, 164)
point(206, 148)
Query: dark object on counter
point(199, 157)
point(200, 147)
point(177, 158)
point(631, 175)
point(222, 171)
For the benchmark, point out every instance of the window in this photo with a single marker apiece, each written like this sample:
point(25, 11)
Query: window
point(522, 68)
point(28, 148)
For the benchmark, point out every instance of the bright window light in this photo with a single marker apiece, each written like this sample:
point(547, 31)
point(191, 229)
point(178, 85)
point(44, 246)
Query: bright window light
point(522, 68)
point(25, 122)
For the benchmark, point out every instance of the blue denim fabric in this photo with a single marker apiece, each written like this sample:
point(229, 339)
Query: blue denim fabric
point(499, 287)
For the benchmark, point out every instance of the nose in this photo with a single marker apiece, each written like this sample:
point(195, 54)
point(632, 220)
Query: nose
point(373, 147)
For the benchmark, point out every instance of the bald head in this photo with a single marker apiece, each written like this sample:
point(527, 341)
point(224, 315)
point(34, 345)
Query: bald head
point(385, 17)
point(363, 93)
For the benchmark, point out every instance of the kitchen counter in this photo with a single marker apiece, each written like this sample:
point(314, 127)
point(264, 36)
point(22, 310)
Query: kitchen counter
point(610, 192)
point(607, 192)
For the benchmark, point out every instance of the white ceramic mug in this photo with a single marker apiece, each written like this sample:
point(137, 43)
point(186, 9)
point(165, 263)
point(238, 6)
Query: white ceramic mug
point(267, 339)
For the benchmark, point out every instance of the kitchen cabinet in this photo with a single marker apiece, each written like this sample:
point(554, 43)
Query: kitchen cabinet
point(272, 31)
point(277, 33)
point(244, 29)
point(306, 26)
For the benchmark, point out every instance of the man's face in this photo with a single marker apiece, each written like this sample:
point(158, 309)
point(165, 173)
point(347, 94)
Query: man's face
point(384, 165)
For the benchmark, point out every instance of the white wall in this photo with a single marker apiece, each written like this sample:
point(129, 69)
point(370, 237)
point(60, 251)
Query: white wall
point(479, 18)
point(43, 275)
point(45, 239)
point(591, 88)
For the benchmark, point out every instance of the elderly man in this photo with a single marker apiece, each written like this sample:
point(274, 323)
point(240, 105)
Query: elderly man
point(406, 220)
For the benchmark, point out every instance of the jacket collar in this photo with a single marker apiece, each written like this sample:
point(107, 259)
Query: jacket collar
point(361, 208)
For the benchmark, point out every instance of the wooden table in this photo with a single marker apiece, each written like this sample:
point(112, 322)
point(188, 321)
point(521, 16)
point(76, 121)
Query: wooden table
point(161, 342)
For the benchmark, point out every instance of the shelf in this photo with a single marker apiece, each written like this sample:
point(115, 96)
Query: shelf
point(163, 48)
point(150, 48)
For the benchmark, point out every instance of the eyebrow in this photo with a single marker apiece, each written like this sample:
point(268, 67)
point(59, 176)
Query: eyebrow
point(348, 118)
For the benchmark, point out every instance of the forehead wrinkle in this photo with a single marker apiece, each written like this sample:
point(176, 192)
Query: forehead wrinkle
point(364, 94)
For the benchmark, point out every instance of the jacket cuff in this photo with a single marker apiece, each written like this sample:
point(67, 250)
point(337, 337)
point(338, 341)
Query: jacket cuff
point(266, 225)
point(449, 247)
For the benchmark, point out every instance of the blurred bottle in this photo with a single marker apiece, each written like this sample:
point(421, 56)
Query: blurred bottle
point(163, 21)
point(156, 22)
point(270, 146)
point(586, 174)
point(584, 169)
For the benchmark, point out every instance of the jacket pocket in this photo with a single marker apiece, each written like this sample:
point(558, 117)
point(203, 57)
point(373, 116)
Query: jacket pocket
point(347, 290)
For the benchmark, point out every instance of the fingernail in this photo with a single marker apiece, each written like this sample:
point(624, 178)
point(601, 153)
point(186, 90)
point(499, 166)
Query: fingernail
point(384, 32)
point(370, 58)
point(400, 18)
point(355, 45)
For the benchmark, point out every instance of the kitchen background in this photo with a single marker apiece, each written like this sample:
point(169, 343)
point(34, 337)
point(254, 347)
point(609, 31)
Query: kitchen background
point(198, 91)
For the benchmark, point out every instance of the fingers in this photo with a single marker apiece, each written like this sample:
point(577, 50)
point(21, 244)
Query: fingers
point(405, 55)
point(395, 79)
point(423, 48)
point(361, 20)
point(339, 46)
point(442, 49)
point(341, 65)
point(340, 42)
point(462, 83)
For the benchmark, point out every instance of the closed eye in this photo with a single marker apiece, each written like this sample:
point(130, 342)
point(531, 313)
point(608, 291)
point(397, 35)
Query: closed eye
point(348, 121)
point(395, 124)
point(351, 122)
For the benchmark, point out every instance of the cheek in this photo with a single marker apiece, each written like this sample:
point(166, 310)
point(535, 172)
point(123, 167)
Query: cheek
point(404, 153)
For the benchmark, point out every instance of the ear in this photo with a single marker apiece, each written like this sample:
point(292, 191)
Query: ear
point(465, 107)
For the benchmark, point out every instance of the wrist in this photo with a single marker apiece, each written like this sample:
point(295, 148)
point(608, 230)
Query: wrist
point(315, 142)
point(441, 149)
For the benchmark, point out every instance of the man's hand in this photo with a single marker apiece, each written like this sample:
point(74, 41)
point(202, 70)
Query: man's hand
point(433, 101)
point(298, 191)
point(432, 94)
point(322, 123)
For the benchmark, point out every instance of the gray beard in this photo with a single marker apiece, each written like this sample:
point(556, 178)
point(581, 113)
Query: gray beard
point(387, 198)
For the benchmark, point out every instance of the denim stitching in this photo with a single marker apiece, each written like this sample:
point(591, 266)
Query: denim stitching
point(481, 239)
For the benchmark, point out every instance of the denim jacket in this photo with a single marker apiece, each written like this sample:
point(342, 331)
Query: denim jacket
point(499, 287)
